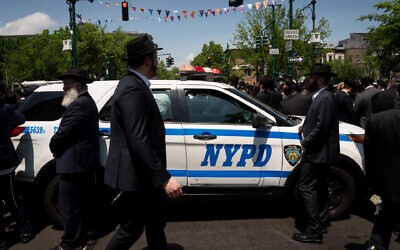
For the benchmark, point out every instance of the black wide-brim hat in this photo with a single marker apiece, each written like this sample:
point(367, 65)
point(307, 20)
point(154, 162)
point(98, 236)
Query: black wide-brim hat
point(77, 73)
point(141, 45)
point(321, 69)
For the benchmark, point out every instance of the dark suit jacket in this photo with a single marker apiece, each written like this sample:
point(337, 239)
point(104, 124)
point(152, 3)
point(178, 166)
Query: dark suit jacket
point(270, 97)
point(9, 120)
point(381, 150)
point(137, 157)
point(385, 100)
point(296, 104)
point(321, 130)
point(76, 143)
point(345, 106)
point(363, 106)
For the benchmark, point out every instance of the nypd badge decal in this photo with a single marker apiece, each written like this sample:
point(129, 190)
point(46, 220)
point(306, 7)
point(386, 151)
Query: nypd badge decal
point(293, 154)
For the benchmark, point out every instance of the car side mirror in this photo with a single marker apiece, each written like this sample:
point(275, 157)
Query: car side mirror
point(260, 121)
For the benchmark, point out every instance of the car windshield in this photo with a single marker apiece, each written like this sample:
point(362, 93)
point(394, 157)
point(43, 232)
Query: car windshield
point(282, 119)
point(43, 106)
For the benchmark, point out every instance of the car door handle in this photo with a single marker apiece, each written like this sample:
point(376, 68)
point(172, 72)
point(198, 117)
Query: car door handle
point(205, 137)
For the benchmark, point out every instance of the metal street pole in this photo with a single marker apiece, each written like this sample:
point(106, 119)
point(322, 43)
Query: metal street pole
point(290, 66)
point(273, 43)
point(313, 2)
point(73, 30)
point(228, 55)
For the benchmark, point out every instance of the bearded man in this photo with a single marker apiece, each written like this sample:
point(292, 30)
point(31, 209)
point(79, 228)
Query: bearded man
point(75, 147)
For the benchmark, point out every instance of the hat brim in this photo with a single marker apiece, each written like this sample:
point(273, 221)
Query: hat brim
point(126, 57)
point(85, 80)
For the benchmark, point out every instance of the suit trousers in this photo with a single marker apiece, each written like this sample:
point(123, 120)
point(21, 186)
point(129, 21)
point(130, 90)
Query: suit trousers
point(385, 223)
point(9, 193)
point(76, 206)
point(140, 211)
point(313, 189)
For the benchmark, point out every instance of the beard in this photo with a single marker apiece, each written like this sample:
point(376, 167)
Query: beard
point(70, 96)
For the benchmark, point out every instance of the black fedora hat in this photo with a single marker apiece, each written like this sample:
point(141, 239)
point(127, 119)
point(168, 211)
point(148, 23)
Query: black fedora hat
point(141, 45)
point(77, 73)
point(321, 69)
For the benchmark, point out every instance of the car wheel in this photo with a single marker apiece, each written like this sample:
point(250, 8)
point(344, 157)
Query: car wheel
point(342, 192)
point(51, 201)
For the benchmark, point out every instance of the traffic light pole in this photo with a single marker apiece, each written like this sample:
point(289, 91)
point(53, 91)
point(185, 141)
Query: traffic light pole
point(313, 2)
point(73, 30)
point(273, 42)
point(290, 66)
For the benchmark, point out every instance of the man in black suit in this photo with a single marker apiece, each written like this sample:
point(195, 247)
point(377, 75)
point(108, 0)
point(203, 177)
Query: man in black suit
point(345, 102)
point(382, 166)
point(268, 94)
point(296, 103)
point(136, 164)
point(387, 99)
point(8, 163)
point(363, 102)
point(321, 148)
point(75, 147)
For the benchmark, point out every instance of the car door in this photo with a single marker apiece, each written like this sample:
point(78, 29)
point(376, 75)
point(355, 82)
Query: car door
point(175, 145)
point(223, 149)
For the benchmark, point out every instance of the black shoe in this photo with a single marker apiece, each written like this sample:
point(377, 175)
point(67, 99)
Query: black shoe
point(26, 237)
point(324, 230)
point(308, 237)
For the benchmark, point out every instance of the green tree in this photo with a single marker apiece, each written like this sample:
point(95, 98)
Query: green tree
point(386, 35)
point(346, 70)
point(216, 54)
point(256, 21)
point(164, 73)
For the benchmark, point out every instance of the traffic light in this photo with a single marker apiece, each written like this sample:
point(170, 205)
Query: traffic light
point(265, 41)
point(172, 61)
point(208, 61)
point(258, 41)
point(169, 61)
point(125, 11)
point(235, 3)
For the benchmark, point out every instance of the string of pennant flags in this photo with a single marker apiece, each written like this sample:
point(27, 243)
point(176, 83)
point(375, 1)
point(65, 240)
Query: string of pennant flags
point(163, 15)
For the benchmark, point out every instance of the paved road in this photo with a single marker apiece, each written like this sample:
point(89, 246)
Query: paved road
point(232, 225)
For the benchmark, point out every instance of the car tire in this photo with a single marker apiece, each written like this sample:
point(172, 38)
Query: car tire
point(342, 192)
point(51, 201)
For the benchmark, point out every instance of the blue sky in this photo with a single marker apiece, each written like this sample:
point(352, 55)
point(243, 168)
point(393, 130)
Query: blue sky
point(183, 39)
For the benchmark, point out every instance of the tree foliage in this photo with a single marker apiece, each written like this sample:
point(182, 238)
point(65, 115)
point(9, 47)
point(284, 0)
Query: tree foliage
point(165, 74)
point(216, 54)
point(387, 34)
point(256, 21)
point(41, 57)
point(346, 70)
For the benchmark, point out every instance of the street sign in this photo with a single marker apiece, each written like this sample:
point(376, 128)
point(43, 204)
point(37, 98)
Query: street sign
point(67, 45)
point(291, 34)
point(315, 37)
point(289, 46)
point(274, 51)
point(296, 59)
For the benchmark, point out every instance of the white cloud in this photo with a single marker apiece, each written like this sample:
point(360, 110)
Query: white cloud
point(31, 24)
point(186, 60)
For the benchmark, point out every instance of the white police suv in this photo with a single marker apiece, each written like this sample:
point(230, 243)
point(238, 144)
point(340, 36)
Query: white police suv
point(219, 142)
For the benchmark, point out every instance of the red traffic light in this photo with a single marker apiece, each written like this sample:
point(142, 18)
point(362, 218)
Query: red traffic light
point(124, 4)
point(208, 57)
point(169, 58)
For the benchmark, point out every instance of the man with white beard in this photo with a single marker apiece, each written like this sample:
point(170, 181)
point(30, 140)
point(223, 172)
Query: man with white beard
point(75, 147)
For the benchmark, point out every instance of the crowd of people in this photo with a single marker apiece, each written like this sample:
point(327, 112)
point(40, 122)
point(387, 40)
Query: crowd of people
point(136, 164)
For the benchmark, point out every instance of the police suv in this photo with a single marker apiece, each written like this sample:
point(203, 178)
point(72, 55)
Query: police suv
point(219, 140)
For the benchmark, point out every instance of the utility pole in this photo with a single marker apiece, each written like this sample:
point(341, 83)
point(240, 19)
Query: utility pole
point(228, 57)
point(313, 2)
point(73, 30)
point(290, 66)
point(273, 42)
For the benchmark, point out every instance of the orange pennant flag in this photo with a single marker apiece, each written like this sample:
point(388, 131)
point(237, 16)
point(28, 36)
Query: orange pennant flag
point(266, 4)
point(258, 5)
point(116, 4)
point(142, 9)
point(218, 11)
point(192, 13)
point(165, 19)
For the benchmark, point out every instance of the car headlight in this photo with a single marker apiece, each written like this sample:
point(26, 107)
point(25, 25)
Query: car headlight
point(357, 138)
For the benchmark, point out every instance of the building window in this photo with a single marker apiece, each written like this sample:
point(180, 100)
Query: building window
point(351, 58)
point(339, 58)
point(358, 59)
point(330, 58)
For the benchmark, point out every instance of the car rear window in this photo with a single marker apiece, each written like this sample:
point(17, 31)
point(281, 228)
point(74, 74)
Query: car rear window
point(43, 106)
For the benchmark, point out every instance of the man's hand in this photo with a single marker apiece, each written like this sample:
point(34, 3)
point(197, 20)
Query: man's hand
point(54, 155)
point(172, 188)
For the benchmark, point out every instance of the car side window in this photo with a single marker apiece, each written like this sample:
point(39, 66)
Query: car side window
point(43, 106)
point(210, 106)
point(162, 98)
